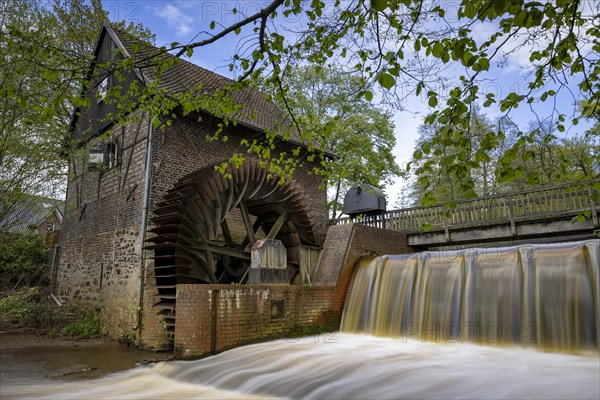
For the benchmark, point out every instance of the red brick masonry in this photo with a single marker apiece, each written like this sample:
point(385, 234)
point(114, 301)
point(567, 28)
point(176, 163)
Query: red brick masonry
point(213, 318)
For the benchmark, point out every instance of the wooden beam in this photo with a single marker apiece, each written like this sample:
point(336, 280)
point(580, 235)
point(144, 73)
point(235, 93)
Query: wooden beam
point(255, 227)
point(247, 223)
point(226, 233)
point(215, 248)
point(277, 226)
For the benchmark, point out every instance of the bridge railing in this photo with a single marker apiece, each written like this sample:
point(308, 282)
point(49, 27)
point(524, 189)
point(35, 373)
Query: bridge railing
point(541, 203)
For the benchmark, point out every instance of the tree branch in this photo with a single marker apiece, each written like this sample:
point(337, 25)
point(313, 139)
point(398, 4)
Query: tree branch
point(264, 13)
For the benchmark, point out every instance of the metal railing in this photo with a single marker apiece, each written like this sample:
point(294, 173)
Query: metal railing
point(537, 204)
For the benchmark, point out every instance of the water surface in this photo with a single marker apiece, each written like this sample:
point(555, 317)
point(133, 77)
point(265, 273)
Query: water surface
point(344, 365)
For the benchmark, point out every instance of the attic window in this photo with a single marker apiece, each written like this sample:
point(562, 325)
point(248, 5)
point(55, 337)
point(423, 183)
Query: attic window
point(102, 89)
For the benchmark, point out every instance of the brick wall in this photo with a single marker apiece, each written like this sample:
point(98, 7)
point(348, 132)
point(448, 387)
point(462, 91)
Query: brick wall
point(100, 262)
point(213, 318)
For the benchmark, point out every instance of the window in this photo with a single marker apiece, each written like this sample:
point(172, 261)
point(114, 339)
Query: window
point(50, 226)
point(96, 157)
point(112, 153)
point(102, 89)
point(104, 156)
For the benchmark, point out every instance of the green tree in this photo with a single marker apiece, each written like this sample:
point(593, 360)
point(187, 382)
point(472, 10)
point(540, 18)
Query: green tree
point(546, 159)
point(45, 52)
point(328, 106)
point(543, 160)
point(445, 167)
point(22, 259)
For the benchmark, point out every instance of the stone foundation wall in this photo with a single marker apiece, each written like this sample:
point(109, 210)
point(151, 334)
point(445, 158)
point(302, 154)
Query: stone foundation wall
point(213, 318)
point(101, 273)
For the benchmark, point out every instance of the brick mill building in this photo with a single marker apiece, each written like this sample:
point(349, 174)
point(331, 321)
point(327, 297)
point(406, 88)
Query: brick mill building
point(158, 242)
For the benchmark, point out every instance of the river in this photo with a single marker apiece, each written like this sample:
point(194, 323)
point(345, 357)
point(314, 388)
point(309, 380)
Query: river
point(339, 365)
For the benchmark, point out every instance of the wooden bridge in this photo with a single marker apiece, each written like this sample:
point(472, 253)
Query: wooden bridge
point(555, 211)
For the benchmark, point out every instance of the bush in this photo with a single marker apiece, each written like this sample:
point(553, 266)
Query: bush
point(87, 327)
point(22, 260)
point(17, 307)
point(31, 310)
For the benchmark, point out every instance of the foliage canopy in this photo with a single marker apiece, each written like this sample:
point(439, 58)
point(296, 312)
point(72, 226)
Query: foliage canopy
point(393, 45)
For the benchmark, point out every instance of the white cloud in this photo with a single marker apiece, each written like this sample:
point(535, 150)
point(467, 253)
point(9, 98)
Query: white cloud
point(175, 18)
point(482, 31)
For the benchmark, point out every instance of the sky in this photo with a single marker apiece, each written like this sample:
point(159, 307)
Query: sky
point(187, 20)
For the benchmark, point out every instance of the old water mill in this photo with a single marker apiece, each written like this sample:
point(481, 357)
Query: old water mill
point(512, 321)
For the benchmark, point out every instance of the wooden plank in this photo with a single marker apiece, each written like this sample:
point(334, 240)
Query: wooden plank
point(277, 226)
point(247, 224)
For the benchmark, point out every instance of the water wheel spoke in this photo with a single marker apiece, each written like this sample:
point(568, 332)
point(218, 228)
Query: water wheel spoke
point(255, 228)
point(227, 205)
point(227, 233)
point(277, 226)
point(247, 224)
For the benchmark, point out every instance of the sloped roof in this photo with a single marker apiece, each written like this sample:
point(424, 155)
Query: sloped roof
point(29, 212)
point(256, 111)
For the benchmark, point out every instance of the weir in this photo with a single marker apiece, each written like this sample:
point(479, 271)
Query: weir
point(545, 296)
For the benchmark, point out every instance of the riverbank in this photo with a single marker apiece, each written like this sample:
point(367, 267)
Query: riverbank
point(26, 358)
point(16, 340)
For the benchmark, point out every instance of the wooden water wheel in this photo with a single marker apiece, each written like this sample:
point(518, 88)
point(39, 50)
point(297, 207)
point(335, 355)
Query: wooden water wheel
point(193, 240)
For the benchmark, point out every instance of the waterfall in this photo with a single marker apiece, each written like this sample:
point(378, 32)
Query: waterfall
point(543, 295)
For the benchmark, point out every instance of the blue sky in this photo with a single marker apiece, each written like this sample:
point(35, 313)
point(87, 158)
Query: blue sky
point(188, 20)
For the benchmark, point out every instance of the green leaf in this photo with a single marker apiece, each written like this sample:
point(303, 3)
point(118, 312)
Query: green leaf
point(420, 86)
point(433, 101)
point(386, 80)
point(368, 95)
point(470, 10)
point(466, 57)
point(379, 5)
point(500, 6)
point(213, 24)
point(437, 50)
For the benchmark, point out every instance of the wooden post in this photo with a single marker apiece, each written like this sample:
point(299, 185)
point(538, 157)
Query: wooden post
point(513, 226)
point(277, 226)
point(594, 209)
point(446, 230)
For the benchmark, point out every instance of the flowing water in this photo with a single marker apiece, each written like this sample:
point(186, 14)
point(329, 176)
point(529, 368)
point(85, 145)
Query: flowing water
point(545, 296)
point(464, 324)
